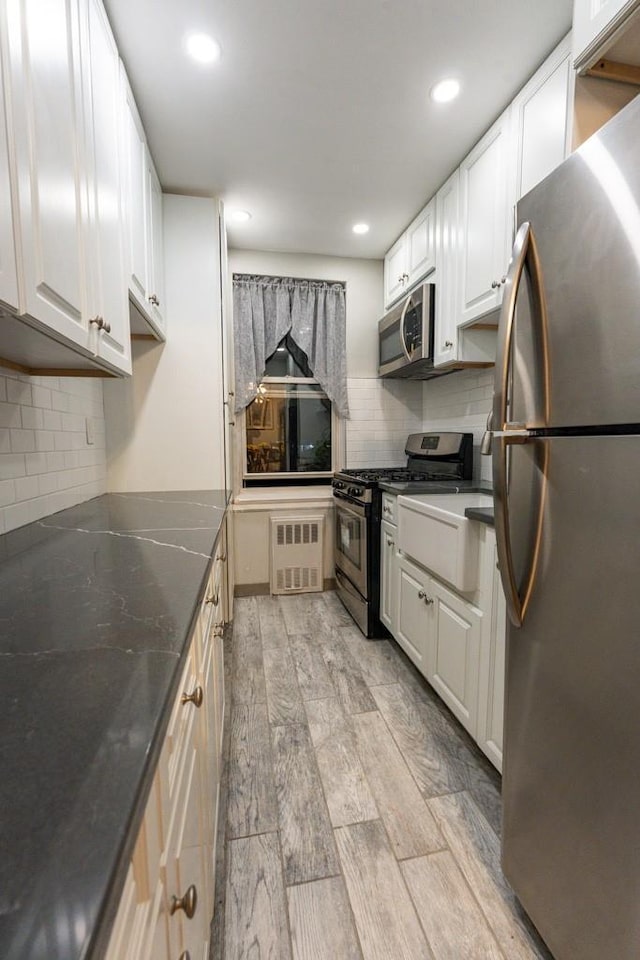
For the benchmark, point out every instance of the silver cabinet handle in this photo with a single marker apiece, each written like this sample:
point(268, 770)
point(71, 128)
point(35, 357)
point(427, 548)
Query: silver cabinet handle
point(390, 542)
point(448, 343)
point(101, 324)
point(154, 300)
point(422, 596)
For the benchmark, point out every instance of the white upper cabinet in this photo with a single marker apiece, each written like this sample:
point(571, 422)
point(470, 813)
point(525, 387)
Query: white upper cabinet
point(46, 124)
point(395, 271)
point(484, 223)
point(143, 196)
point(541, 116)
point(8, 270)
point(447, 261)
point(420, 239)
point(108, 289)
point(412, 256)
point(595, 22)
point(156, 247)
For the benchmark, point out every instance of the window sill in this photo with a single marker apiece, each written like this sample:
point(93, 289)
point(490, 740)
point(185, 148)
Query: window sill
point(265, 497)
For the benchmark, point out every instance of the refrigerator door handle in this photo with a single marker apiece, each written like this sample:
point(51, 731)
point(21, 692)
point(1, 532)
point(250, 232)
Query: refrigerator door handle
point(508, 433)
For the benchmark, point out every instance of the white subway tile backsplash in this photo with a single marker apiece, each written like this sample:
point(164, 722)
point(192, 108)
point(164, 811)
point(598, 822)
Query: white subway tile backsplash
point(462, 402)
point(32, 418)
point(12, 465)
point(22, 441)
point(45, 462)
point(10, 415)
point(18, 392)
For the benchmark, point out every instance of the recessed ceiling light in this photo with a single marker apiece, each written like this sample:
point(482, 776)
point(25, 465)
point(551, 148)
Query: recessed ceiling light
point(240, 216)
point(202, 48)
point(360, 228)
point(445, 90)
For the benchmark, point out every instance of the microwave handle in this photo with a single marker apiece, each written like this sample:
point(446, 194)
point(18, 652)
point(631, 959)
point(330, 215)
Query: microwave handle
point(402, 319)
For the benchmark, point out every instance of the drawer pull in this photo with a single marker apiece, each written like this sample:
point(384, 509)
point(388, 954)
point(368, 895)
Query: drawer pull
point(221, 558)
point(214, 599)
point(188, 903)
point(195, 698)
point(422, 596)
point(154, 300)
point(218, 629)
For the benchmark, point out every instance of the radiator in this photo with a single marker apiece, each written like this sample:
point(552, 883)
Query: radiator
point(296, 554)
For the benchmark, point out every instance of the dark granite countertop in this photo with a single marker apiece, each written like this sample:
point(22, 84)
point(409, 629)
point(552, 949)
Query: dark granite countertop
point(96, 605)
point(482, 514)
point(431, 486)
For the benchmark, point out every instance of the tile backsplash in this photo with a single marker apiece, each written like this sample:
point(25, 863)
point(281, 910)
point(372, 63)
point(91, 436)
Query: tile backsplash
point(46, 462)
point(461, 401)
point(383, 414)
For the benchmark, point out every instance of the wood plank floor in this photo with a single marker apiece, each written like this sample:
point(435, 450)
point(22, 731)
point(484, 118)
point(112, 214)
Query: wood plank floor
point(360, 820)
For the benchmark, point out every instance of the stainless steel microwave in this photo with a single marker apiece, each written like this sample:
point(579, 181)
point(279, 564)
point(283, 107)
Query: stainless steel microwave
point(405, 336)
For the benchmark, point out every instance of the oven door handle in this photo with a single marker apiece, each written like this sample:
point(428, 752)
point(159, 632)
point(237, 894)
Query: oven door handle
point(357, 509)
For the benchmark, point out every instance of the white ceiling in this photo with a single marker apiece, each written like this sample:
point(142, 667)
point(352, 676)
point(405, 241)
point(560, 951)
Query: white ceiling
point(317, 114)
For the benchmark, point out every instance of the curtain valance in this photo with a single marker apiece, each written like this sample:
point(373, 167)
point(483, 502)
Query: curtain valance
point(312, 312)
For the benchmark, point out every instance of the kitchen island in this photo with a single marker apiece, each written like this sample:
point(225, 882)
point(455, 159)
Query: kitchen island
point(97, 605)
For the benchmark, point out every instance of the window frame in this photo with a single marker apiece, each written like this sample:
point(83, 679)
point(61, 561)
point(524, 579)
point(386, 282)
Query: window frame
point(292, 477)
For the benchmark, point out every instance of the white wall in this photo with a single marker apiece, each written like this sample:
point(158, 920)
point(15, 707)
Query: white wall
point(164, 424)
point(46, 464)
point(461, 401)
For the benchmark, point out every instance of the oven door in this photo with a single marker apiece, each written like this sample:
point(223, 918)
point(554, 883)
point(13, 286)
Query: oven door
point(351, 542)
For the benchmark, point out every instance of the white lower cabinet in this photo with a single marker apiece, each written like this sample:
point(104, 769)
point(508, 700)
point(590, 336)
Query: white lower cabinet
point(388, 550)
point(414, 625)
point(457, 642)
point(453, 654)
point(492, 662)
point(167, 902)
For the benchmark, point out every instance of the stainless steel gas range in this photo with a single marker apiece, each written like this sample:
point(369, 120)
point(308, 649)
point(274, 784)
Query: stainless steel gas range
point(437, 463)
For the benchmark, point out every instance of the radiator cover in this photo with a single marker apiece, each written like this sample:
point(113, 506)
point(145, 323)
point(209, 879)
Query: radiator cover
point(297, 550)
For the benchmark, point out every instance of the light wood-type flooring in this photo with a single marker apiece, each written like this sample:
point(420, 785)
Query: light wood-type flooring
point(359, 821)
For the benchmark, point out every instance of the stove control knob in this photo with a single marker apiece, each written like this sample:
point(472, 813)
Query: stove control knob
point(355, 491)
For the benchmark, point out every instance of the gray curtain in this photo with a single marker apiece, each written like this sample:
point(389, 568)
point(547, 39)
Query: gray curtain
point(312, 312)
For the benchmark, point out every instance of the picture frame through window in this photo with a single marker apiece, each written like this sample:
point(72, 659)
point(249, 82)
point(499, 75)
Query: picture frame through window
point(260, 414)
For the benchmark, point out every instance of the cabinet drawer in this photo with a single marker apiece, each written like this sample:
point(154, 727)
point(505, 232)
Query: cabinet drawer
point(389, 503)
point(178, 735)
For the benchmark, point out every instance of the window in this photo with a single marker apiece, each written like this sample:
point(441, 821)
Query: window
point(290, 426)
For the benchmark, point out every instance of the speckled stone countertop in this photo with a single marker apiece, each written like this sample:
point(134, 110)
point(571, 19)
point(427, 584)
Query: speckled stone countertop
point(482, 514)
point(96, 606)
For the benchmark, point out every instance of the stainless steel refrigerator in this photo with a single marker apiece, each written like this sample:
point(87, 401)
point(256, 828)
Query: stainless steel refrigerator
point(566, 461)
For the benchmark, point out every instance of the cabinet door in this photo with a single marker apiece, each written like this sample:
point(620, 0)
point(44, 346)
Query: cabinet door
point(492, 671)
point(420, 243)
point(415, 612)
point(454, 654)
point(594, 22)
point(388, 578)
point(47, 127)
point(447, 268)
point(136, 200)
point(155, 249)
point(485, 234)
point(541, 116)
point(108, 295)
point(8, 270)
point(395, 271)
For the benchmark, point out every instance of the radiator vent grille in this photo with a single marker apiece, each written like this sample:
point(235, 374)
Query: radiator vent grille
point(296, 554)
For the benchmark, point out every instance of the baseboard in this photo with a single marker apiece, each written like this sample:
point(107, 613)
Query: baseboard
point(252, 589)
point(264, 589)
